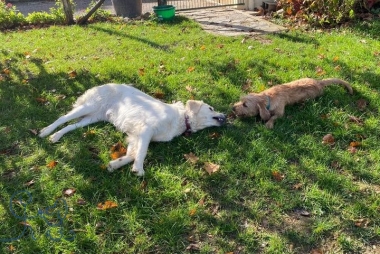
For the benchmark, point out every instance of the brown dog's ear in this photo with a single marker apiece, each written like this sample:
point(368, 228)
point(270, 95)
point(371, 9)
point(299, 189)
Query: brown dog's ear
point(193, 106)
point(264, 112)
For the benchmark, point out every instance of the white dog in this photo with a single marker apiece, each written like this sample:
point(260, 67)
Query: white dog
point(142, 117)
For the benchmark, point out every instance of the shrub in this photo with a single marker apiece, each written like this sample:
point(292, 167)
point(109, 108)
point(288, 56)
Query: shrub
point(9, 16)
point(320, 13)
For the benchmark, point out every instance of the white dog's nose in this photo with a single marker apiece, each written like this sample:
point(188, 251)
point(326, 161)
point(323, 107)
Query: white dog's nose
point(221, 119)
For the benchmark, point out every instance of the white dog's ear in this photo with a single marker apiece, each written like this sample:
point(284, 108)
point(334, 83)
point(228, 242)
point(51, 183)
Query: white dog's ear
point(264, 112)
point(193, 105)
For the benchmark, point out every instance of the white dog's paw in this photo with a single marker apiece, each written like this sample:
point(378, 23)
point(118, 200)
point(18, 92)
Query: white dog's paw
point(54, 138)
point(44, 132)
point(110, 168)
point(138, 172)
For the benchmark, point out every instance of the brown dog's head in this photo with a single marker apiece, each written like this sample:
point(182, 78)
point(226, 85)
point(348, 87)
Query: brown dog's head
point(252, 105)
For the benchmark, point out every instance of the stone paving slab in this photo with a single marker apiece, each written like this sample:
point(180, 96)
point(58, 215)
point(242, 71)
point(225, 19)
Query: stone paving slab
point(232, 22)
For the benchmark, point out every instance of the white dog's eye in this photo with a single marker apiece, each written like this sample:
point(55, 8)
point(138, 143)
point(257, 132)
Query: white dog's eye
point(211, 108)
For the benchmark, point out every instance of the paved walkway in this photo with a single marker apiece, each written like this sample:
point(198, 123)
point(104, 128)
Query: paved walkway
point(221, 21)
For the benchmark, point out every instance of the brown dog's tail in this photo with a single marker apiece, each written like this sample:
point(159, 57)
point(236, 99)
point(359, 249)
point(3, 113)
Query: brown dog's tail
point(329, 81)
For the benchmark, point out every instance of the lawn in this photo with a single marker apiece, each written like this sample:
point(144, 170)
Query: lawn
point(285, 190)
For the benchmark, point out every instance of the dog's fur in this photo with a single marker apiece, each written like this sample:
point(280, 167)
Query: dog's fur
point(142, 117)
point(270, 104)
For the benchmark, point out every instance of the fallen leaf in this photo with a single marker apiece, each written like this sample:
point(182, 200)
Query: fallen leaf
point(190, 69)
point(33, 131)
point(214, 135)
point(6, 71)
point(29, 183)
point(361, 104)
point(72, 74)
point(316, 251)
point(89, 133)
point(201, 202)
point(211, 167)
point(107, 205)
point(141, 72)
point(355, 119)
point(52, 164)
point(336, 58)
point(193, 246)
point(337, 68)
point(328, 139)
point(143, 185)
point(24, 223)
point(68, 192)
point(193, 212)
point(361, 223)
point(320, 71)
point(321, 56)
point(203, 47)
point(41, 100)
point(220, 46)
point(297, 186)
point(355, 143)
point(118, 150)
point(191, 158)
point(81, 201)
point(190, 89)
point(159, 95)
point(352, 149)
point(278, 176)
point(11, 248)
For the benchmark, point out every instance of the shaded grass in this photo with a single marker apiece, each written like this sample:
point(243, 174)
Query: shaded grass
point(327, 200)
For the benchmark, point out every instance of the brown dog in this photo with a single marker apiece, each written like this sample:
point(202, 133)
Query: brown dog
point(270, 103)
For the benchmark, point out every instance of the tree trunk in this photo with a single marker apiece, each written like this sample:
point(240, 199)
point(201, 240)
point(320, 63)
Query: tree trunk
point(85, 18)
point(127, 8)
point(68, 12)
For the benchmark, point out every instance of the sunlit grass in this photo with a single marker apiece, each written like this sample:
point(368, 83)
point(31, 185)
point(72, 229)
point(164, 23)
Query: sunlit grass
point(276, 191)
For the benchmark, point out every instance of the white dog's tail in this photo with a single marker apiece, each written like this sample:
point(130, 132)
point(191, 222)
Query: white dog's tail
point(329, 81)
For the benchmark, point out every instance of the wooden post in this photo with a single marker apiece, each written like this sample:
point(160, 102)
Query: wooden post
point(84, 19)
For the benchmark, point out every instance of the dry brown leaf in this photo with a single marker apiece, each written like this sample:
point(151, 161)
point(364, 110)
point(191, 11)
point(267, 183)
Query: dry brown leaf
point(68, 192)
point(297, 186)
point(141, 72)
point(361, 104)
point(355, 119)
point(41, 100)
point(211, 167)
point(361, 223)
point(352, 149)
point(29, 183)
point(355, 143)
point(220, 46)
point(193, 212)
point(52, 164)
point(11, 248)
point(81, 201)
point(72, 74)
point(278, 176)
point(320, 71)
point(193, 246)
point(328, 139)
point(203, 47)
point(143, 185)
point(336, 58)
point(118, 150)
point(6, 71)
point(214, 135)
point(190, 89)
point(316, 251)
point(159, 95)
point(191, 158)
point(33, 131)
point(107, 205)
point(191, 69)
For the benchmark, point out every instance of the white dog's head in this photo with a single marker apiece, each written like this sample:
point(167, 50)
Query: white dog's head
point(202, 115)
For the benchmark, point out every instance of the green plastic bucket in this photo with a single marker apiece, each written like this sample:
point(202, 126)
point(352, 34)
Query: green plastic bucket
point(164, 12)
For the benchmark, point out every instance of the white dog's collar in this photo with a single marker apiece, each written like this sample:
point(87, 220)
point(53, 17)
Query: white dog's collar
point(188, 127)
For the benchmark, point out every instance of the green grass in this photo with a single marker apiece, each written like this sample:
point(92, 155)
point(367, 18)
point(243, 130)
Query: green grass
point(328, 199)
